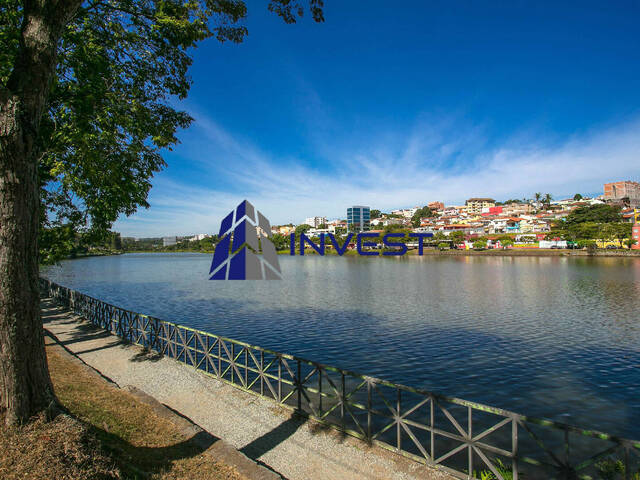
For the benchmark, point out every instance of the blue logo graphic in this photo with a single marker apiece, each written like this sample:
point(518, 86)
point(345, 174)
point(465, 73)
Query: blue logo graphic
point(244, 250)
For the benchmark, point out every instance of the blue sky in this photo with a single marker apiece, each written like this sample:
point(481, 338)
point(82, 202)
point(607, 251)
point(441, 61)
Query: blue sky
point(395, 106)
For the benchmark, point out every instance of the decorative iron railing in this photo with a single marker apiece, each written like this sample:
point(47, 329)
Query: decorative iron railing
point(466, 439)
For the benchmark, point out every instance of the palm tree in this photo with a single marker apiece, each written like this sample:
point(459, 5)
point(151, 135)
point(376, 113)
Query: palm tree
point(547, 199)
point(537, 196)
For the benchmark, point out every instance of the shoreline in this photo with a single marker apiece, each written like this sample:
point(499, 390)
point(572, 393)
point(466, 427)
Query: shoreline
point(497, 253)
point(533, 253)
point(432, 253)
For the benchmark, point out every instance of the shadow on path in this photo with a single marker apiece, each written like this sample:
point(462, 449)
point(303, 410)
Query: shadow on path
point(273, 438)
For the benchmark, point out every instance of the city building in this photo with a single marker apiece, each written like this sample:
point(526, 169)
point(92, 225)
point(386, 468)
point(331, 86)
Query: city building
point(406, 212)
point(200, 236)
point(337, 224)
point(358, 218)
point(517, 209)
point(393, 221)
point(168, 241)
point(626, 189)
point(477, 205)
point(436, 206)
point(283, 229)
point(316, 232)
point(315, 222)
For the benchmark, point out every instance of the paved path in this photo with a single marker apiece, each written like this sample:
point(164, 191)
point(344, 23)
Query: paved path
point(258, 427)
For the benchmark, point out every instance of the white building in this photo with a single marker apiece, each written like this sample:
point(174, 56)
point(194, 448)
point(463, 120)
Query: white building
point(315, 222)
point(406, 212)
point(316, 232)
point(200, 236)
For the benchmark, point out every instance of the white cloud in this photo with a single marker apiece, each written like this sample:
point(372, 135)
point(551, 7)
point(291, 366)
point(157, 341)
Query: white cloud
point(436, 161)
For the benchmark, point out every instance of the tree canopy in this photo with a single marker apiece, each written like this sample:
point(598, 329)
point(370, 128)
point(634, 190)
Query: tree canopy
point(111, 109)
point(602, 222)
point(602, 213)
point(302, 228)
point(420, 213)
point(88, 90)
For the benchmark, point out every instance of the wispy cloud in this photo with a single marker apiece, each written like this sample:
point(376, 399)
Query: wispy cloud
point(443, 160)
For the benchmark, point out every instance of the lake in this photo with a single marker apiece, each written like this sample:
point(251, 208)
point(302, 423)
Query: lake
point(553, 337)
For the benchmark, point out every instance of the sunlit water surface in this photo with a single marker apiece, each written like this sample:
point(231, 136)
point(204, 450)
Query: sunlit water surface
point(544, 336)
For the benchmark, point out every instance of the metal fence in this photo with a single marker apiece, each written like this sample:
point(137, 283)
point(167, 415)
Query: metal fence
point(466, 439)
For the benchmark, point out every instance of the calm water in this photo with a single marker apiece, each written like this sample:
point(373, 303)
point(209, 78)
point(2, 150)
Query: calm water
point(551, 337)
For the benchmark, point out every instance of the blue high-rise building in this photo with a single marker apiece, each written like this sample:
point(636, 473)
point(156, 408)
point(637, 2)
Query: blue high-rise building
point(358, 218)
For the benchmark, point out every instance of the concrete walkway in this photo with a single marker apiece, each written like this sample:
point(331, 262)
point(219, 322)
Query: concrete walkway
point(293, 448)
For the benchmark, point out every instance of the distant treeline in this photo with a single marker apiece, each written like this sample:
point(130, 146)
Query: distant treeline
point(156, 245)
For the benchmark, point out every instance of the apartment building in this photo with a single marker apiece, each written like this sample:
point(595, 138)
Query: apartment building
point(624, 189)
point(406, 212)
point(358, 218)
point(476, 205)
point(315, 222)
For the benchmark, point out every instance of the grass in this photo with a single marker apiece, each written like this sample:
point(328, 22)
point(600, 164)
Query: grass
point(62, 449)
point(108, 434)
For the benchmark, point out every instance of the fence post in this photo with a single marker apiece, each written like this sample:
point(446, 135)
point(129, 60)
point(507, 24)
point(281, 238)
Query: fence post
point(568, 475)
point(368, 409)
point(299, 386)
point(514, 448)
point(398, 426)
point(342, 400)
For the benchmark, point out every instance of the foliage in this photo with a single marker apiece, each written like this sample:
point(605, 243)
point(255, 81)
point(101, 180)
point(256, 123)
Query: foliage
point(577, 197)
point(602, 213)
point(398, 229)
point(56, 243)
point(141, 244)
point(439, 235)
point(443, 246)
point(505, 471)
point(588, 244)
point(537, 198)
point(502, 238)
point(302, 229)
point(421, 213)
point(610, 469)
point(62, 241)
point(507, 242)
point(596, 231)
point(596, 222)
point(121, 66)
point(456, 236)
point(281, 242)
point(109, 113)
point(374, 214)
point(480, 244)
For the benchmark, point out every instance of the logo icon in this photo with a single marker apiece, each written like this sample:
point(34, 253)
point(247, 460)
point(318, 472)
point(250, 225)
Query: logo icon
point(244, 250)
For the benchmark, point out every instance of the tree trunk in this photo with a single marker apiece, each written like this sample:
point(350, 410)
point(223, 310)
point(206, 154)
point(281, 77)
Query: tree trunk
point(25, 385)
